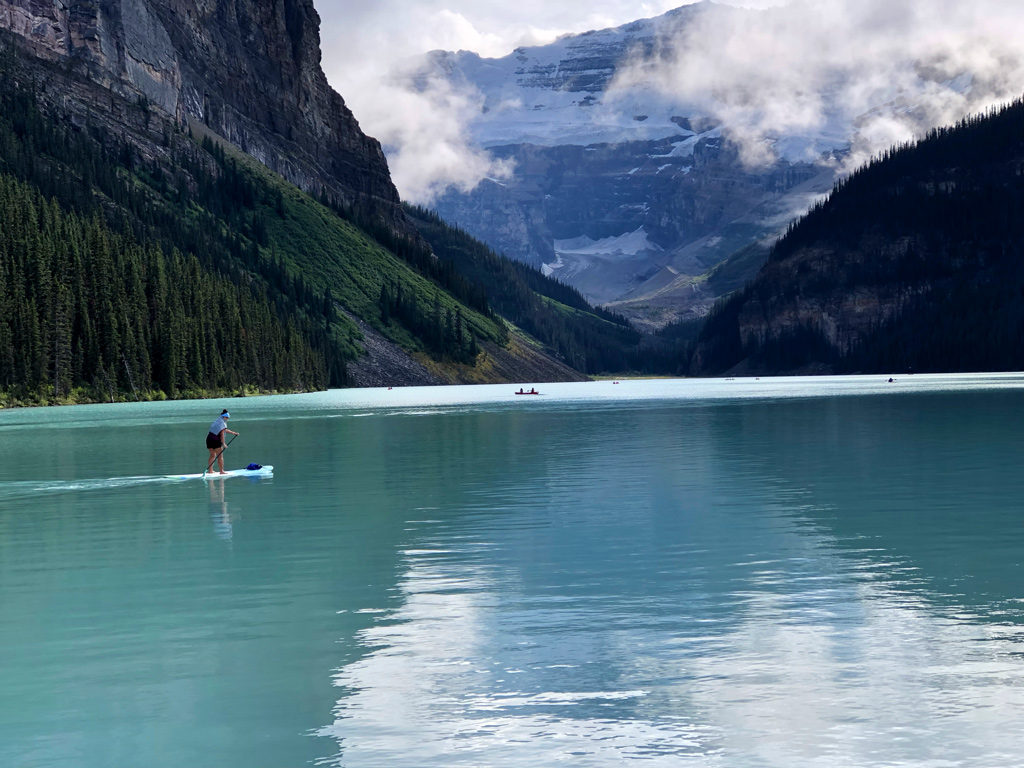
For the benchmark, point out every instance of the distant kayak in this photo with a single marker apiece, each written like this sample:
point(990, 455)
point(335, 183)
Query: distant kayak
point(266, 471)
point(531, 392)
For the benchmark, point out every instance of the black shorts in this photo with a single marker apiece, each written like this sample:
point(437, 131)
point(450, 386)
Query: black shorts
point(212, 441)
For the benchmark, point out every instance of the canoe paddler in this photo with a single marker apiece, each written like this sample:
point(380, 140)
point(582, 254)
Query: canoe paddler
point(215, 441)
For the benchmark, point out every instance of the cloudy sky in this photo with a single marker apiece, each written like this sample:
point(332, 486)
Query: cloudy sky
point(357, 31)
point(424, 132)
point(768, 74)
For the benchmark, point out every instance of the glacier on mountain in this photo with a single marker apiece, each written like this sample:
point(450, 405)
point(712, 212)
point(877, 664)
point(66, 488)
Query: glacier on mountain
point(625, 189)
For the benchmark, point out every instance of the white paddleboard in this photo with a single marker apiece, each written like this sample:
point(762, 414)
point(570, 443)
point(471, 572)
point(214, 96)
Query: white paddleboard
point(266, 471)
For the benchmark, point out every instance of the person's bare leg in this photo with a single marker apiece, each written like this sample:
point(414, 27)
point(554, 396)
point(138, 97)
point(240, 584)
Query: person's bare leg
point(220, 459)
point(213, 457)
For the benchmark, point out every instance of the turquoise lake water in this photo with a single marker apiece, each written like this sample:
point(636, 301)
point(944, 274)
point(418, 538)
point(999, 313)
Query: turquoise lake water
point(778, 572)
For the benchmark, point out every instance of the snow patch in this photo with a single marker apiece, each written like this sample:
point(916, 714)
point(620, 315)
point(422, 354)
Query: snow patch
point(627, 244)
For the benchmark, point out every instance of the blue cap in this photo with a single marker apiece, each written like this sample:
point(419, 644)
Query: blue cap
point(225, 415)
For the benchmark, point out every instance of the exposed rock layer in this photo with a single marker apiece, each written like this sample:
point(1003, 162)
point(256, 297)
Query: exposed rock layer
point(248, 69)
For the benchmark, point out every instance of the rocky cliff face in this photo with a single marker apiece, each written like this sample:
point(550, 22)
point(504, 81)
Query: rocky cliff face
point(249, 70)
point(633, 224)
point(625, 194)
point(813, 294)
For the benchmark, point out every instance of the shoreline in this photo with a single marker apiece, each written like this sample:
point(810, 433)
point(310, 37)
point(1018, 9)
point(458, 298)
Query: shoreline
point(11, 402)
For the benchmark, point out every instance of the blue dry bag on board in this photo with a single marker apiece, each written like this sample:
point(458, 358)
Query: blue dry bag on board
point(255, 466)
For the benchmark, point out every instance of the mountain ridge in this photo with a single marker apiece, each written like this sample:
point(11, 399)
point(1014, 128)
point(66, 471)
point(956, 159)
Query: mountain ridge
point(679, 127)
point(160, 172)
point(914, 264)
point(596, 161)
point(246, 74)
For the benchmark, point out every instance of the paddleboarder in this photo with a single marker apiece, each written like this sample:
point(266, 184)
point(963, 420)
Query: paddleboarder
point(215, 441)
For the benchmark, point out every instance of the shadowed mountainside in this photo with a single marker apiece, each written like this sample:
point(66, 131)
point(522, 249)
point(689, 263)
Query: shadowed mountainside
point(914, 263)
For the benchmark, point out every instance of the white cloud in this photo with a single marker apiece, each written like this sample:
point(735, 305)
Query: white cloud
point(424, 129)
point(809, 67)
point(367, 45)
point(886, 69)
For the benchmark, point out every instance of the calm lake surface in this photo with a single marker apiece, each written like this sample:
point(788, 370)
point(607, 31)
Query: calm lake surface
point(800, 572)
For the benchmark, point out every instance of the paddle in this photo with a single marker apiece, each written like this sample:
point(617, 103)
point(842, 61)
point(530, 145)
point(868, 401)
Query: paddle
point(210, 465)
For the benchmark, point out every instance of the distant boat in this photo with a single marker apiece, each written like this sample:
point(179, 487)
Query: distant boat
point(531, 392)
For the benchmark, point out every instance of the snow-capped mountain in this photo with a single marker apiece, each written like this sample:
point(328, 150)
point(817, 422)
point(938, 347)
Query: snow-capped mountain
point(622, 188)
point(567, 92)
point(558, 93)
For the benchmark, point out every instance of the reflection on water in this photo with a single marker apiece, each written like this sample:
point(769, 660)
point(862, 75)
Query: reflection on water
point(806, 573)
point(768, 692)
point(738, 586)
point(804, 668)
point(219, 514)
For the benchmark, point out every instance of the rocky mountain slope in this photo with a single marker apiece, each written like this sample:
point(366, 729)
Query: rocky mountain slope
point(248, 70)
point(161, 119)
point(915, 263)
point(625, 194)
point(629, 193)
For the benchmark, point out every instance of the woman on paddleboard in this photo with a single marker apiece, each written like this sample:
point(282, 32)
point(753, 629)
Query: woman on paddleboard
point(215, 441)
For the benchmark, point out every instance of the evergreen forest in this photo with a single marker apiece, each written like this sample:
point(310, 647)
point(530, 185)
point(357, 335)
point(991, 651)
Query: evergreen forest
point(932, 230)
point(192, 270)
point(86, 313)
point(196, 273)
